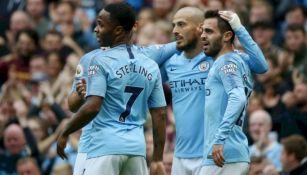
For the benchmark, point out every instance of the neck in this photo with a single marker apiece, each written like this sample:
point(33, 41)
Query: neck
point(193, 52)
point(122, 39)
point(226, 48)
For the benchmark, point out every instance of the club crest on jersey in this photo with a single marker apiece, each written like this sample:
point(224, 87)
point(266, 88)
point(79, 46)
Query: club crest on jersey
point(204, 66)
point(229, 68)
point(79, 71)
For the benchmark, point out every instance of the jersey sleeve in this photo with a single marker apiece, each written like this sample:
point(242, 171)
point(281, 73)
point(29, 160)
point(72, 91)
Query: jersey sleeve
point(163, 72)
point(80, 73)
point(255, 59)
point(232, 81)
point(97, 80)
point(156, 98)
point(159, 52)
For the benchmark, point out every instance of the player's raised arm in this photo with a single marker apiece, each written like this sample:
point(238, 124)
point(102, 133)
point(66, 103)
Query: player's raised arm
point(256, 59)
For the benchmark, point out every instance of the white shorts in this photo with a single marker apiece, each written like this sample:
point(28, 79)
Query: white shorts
point(232, 168)
point(186, 166)
point(80, 163)
point(116, 165)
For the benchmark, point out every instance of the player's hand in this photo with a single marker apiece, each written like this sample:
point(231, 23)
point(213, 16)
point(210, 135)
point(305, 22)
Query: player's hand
point(157, 168)
point(232, 18)
point(217, 154)
point(61, 144)
point(81, 88)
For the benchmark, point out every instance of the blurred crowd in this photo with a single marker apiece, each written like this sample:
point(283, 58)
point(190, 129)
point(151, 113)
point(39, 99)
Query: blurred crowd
point(42, 41)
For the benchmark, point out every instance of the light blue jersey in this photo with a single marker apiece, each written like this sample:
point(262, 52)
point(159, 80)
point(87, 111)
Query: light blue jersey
point(186, 78)
point(81, 72)
point(130, 83)
point(159, 53)
point(228, 87)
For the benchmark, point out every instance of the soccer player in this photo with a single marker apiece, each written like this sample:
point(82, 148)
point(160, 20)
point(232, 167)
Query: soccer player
point(159, 53)
point(228, 87)
point(186, 73)
point(122, 84)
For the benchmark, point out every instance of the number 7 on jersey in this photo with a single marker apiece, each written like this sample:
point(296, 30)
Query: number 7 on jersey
point(135, 93)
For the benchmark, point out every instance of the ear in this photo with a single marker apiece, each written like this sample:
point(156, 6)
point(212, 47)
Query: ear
point(118, 30)
point(227, 36)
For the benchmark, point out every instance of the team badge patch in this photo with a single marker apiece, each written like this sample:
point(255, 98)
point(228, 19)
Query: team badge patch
point(79, 71)
point(229, 68)
point(204, 66)
point(92, 70)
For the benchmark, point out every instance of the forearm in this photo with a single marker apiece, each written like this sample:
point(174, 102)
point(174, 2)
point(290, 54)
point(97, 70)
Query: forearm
point(74, 102)
point(158, 121)
point(257, 61)
point(235, 106)
point(85, 114)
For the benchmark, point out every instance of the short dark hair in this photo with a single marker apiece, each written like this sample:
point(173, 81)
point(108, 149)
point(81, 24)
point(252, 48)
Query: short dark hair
point(223, 25)
point(29, 32)
point(294, 7)
point(123, 14)
point(53, 32)
point(297, 145)
point(296, 27)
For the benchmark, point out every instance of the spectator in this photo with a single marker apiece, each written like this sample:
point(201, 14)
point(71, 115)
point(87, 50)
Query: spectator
point(18, 61)
point(36, 9)
point(62, 169)
point(295, 43)
point(257, 165)
point(260, 125)
point(27, 166)
point(18, 21)
point(294, 155)
point(15, 148)
point(260, 11)
point(270, 170)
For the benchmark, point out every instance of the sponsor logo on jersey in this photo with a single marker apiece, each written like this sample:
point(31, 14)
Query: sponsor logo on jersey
point(229, 68)
point(92, 70)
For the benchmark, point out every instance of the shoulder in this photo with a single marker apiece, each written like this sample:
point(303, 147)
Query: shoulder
point(86, 57)
point(174, 59)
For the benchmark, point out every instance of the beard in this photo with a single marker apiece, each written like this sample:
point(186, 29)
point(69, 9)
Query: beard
point(214, 48)
point(189, 46)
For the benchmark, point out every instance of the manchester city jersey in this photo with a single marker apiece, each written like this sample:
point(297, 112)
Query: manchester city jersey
point(228, 87)
point(81, 73)
point(186, 78)
point(130, 83)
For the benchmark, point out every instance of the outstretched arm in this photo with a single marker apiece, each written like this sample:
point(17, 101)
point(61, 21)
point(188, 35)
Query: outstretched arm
point(256, 59)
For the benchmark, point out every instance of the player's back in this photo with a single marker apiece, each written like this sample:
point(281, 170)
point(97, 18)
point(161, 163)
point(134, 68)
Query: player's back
point(126, 79)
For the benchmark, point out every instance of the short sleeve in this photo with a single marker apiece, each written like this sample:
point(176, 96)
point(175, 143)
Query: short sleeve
point(156, 98)
point(97, 80)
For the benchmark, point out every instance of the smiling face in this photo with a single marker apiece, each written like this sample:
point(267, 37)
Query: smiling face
point(211, 37)
point(104, 28)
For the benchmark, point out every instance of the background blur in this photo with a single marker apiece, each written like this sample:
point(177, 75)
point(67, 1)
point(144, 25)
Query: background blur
point(41, 42)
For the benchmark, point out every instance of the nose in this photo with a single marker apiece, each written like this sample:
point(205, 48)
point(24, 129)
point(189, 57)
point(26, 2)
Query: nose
point(203, 36)
point(96, 29)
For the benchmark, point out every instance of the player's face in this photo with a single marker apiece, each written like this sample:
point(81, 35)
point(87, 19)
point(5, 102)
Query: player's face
point(211, 37)
point(104, 28)
point(185, 32)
